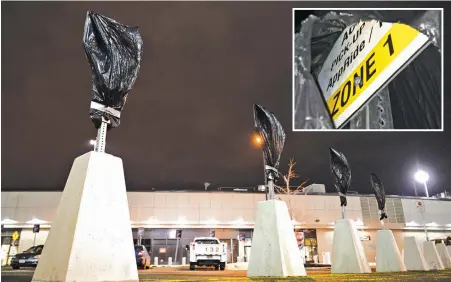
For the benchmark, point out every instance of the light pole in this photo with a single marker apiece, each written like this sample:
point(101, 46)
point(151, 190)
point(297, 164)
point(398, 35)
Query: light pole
point(423, 177)
point(258, 141)
point(93, 143)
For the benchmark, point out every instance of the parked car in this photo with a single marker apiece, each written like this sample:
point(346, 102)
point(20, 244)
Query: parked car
point(143, 259)
point(28, 258)
point(207, 251)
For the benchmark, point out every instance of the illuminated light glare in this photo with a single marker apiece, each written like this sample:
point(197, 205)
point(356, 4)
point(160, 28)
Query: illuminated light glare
point(152, 219)
point(211, 221)
point(257, 140)
point(36, 220)
point(182, 220)
point(421, 176)
point(8, 221)
point(359, 222)
point(239, 221)
point(412, 223)
point(92, 142)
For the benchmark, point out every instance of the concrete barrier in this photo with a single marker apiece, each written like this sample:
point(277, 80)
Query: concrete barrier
point(91, 235)
point(387, 253)
point(444, 255)
point(348, 255)
point(431, 256)
point(274, 248)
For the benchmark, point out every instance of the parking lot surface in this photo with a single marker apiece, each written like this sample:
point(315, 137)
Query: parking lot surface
point(209, 274)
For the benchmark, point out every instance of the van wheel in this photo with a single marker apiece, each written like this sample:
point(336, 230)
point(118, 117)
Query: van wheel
point(222, 267)
point(216, 267)
point(192, 267)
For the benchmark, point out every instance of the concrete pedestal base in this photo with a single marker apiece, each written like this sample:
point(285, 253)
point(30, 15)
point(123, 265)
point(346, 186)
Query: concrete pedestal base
point(237, 266)
point(449, 249)
point(387, 253)
point(347, 250)
point(413, 255)
point(91, 238)
point(431, 256)
point(444, 255)
point(274, 248)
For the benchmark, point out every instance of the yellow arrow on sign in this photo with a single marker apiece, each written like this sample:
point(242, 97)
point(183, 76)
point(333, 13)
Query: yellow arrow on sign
point(15, 236)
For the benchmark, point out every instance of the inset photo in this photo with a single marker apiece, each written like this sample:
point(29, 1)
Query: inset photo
point(368, 69)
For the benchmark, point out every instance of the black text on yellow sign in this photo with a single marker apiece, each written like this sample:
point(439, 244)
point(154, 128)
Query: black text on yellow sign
point(389, 47)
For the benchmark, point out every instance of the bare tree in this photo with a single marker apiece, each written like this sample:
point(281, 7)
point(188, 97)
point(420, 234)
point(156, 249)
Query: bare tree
point(288, 190)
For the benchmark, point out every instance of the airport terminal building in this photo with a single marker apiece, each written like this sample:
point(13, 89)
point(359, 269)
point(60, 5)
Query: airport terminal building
point(230, 217)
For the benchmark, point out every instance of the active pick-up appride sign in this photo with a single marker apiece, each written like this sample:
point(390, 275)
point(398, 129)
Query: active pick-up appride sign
point(365, 57)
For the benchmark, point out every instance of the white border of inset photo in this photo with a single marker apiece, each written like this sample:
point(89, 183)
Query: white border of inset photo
point(383, 84)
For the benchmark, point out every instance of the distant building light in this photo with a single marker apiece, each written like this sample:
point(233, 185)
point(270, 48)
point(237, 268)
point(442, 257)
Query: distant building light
point(412, 223)
point(240, 190)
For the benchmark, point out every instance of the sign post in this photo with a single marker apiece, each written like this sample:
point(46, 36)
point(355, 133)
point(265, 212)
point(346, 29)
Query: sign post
point(140, 235)
point(421, 209)
point(178, 235)
point(363, 60)
point(36, 229)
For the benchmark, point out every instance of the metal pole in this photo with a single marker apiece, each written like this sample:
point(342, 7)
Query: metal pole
point(264, 176)
point(426, 189)
point(342, 212)
point(101, 136)
point(271, 189)
point(176, 251)
point(34, 240)
point(424, 226)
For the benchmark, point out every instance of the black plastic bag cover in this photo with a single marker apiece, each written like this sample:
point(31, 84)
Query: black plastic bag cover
point(341, 174)
point(273, 136)
point(379, 191)
point(114, 53)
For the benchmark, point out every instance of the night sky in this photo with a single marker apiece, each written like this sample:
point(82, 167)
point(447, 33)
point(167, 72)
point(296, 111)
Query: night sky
point(188, 118)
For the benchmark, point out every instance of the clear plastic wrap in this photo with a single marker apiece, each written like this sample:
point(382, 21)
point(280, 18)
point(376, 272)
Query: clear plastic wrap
point(273, 135)
point(341, 174)
point(379, 191)
point(315, 40)
point(114, 53)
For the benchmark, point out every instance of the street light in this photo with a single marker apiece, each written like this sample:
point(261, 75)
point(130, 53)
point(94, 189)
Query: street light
point(92, 142)
point(423, 177)
point(257, 140)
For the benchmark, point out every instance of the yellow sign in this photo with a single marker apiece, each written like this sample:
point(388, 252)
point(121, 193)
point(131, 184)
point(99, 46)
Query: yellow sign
point(393, 50)
point(15, 236)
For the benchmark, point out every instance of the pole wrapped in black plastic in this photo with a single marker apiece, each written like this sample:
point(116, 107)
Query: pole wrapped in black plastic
point(341, 175)
point(273, 136)
point(114, 53)
point(379, 191)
